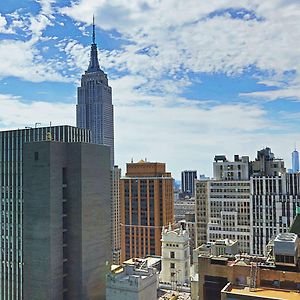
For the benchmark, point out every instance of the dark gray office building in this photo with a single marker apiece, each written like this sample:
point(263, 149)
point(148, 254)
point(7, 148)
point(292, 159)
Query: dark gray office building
point(67, 226)
point(11, 197)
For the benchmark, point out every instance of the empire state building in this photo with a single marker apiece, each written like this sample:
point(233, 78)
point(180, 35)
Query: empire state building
point(94, 109)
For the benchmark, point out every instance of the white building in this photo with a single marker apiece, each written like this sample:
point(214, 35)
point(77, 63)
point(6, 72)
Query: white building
point(175, 256)
point(223, 211)
point(231, 170)
point(274, 200)
point(131, 283)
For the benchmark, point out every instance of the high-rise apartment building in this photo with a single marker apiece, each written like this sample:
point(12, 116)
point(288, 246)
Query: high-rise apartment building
point(188, 182)
point(66, 220)
point(94, 103)
point(146, 203)
point(295, 161)
point(11, 196)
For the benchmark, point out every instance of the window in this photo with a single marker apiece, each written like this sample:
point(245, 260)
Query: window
point(36, 156)
point(172, 265)
point(172, 254)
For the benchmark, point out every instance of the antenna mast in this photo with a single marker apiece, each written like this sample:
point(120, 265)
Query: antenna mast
point(93, 29)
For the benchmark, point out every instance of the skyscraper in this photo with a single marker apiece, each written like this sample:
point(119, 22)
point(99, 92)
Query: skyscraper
point(66, 220)
point(94, 108)
point(295, 161)
point(94, 111)
point(147, 204)
point(188, 182)
point(11, 197)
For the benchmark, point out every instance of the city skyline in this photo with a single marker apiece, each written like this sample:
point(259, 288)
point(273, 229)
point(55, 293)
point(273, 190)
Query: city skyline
point(214, 79)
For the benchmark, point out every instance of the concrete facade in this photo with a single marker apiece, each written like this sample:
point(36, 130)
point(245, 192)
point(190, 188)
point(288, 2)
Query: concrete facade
point(66, 220)
point(238, 169)
point(11, 196)
point(223, 211)
point(131, 283)
point(175, 250)
point(116, 218)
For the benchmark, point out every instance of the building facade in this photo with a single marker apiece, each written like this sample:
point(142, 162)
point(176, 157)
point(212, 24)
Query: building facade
point(188, 182)
point(11, 185)
point(274, 200)
point(223, 203)
point(116, 218)
point(66, 220)
point(223, 211)
point(189, 223)
point(248, 201)
point(175, 251)
point(183, 207)
point(94, 108)
point(266, 164)
point(146, 204)
point(239, 169)
point(130, 282)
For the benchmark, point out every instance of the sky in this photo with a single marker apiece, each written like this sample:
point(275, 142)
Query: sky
point(191, 79)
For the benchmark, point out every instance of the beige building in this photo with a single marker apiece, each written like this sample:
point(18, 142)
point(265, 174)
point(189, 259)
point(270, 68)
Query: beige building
point(131, 282)
point(175, 250)
point(189, 223)
point(146, 205)
point(223, 212)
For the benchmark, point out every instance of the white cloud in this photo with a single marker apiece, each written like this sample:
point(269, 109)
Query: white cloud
point(16, 113)
point(21, 59)
point(292, 93)
point(168, 36)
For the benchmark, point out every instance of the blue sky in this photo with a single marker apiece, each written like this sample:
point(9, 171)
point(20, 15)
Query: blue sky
point(191, 79)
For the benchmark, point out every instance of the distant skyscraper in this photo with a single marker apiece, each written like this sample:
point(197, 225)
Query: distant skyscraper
point(188, 182)
point(295, 161)
point(147, 204)
point(66, 220)
point(94, 108)
point(11, 196)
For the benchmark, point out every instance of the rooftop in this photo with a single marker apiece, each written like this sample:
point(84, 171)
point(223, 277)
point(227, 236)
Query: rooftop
point(262, 292)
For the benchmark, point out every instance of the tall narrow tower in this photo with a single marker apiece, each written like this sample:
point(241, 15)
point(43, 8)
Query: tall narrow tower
point(295, 161)
point(94, 109)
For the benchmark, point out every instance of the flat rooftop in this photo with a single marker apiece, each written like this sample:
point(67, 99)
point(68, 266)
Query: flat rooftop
point(262, 292)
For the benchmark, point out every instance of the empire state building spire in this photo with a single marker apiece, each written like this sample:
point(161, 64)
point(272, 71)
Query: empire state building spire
point(94, 63)
point(94, 109)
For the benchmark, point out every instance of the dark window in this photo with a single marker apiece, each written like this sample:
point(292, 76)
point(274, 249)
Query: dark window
point(172, 254)
point(36, 156)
